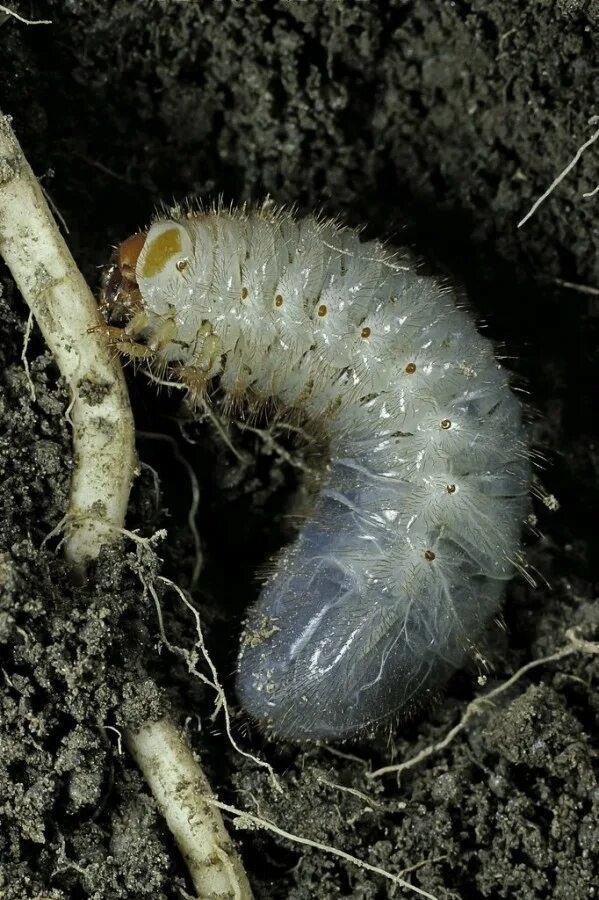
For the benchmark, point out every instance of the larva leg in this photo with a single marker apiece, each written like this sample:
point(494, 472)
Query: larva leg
point(133, 350)
point(122, 339)
point(162, 336)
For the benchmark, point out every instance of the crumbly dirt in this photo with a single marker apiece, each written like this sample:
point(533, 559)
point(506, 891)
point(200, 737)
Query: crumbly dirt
point(437, 124)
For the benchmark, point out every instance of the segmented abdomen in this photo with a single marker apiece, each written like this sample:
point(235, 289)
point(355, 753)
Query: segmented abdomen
point(418, 523)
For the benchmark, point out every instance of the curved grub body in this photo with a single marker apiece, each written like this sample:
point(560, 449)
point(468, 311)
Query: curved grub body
point(416, 527)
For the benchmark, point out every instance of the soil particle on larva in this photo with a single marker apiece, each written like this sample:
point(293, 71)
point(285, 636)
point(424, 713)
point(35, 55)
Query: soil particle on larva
point(438, 122)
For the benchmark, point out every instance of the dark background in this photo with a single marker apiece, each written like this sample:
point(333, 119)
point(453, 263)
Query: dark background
point(435, 124)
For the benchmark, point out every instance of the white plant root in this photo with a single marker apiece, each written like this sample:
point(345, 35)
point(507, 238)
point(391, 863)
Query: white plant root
point(556, 181)
point(575, 644)
point(65, 310)
point(104, 451)
point(5, 10)
point(171, 770)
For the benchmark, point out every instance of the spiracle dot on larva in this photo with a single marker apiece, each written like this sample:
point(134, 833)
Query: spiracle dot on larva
point(416, 527)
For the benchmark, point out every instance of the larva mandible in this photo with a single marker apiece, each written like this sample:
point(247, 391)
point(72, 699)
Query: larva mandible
point(417, 524)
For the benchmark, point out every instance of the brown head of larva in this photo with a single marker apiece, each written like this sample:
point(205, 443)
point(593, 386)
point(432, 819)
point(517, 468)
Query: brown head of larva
point(121, 299)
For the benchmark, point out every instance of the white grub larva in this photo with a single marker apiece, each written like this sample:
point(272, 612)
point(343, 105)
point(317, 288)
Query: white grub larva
point(413, 534)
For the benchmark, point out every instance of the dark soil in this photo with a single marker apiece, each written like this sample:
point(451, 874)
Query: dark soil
point(437, 124)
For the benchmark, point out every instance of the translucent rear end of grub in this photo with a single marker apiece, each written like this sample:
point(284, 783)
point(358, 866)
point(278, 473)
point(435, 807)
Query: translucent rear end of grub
point(357, 623)
point(416, 530)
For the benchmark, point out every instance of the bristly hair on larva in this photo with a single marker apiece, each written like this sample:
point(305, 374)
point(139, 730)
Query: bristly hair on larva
point(416, 527)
